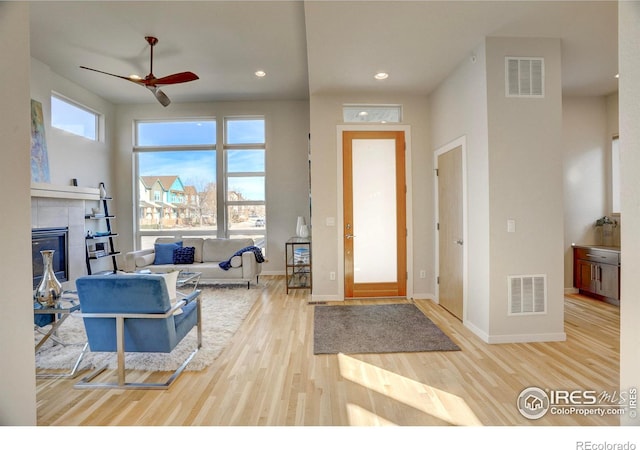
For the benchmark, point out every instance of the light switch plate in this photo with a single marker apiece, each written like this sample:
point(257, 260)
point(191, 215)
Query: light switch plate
point(511, 226)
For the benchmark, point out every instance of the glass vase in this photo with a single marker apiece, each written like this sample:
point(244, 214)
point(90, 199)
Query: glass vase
point(607, 234)
point(49, 290)
point(299, 224)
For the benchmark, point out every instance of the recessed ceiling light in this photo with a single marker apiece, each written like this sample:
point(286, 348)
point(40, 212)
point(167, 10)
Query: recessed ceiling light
point(381, 76)
point(260, 73)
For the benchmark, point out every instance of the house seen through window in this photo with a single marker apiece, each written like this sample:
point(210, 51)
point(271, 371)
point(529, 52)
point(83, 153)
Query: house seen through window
point(189, 184)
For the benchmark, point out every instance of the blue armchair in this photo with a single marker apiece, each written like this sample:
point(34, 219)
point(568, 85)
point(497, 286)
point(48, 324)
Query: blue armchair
point(134, 313)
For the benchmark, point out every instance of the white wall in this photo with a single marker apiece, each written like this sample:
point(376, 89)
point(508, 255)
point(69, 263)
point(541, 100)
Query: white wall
point(287, 187)
point(17, 377)
point(326, 116)
point(459, 108)
point(514, 171)
point(629, 63)
point(525, 185)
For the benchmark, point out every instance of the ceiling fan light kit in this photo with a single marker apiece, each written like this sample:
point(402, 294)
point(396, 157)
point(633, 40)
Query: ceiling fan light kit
point(150, 81)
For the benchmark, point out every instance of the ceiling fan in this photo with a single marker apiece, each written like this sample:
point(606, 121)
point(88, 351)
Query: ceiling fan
point(150, 81)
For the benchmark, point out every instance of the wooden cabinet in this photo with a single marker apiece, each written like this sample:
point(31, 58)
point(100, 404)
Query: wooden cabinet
point(596, 272)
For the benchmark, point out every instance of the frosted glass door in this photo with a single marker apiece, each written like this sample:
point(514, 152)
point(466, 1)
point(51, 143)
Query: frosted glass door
point(374, 206)
point(374, 211)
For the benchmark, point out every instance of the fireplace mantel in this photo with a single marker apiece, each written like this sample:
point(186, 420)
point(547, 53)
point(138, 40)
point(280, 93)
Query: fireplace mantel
point(46, 190)
point(57, 206)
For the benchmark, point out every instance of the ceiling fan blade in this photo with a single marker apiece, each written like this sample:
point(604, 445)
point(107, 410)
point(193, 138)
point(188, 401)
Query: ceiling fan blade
point(182, 77)
point(160, 96)
point(132, 79)
point(150, 81)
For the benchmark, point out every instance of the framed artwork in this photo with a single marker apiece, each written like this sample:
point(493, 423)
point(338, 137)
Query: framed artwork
point(39, 156)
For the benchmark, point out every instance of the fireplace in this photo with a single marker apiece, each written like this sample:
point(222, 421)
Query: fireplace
point(50, 239)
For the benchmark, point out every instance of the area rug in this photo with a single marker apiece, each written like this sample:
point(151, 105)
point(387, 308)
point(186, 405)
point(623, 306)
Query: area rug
point(224, 308)
point(387, 328)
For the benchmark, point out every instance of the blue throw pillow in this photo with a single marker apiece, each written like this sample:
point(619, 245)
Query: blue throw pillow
point(184, 255)
point(164, 252)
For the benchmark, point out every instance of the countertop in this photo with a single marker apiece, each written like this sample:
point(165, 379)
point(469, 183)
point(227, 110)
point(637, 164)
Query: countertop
point(597, 247)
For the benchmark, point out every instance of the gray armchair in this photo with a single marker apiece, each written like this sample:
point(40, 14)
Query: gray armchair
point(134, 313)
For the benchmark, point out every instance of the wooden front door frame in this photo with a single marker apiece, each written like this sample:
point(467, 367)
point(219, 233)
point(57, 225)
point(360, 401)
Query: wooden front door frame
point(373, 289)
point(339, 223)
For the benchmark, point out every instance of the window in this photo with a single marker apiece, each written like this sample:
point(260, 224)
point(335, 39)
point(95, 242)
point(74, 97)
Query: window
point(176, 173)
point(372, 113)
point(244, 152)
point(175, 133)
point(74, 118)
point(615, 176)
point(179, 166)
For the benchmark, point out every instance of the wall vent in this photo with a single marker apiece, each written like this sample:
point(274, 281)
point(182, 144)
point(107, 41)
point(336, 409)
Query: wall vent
point(527, 294)
point(524, 77)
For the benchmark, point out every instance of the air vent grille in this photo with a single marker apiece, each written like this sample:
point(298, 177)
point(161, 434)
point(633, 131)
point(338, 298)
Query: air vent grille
point(527, 294)
point(524, 77)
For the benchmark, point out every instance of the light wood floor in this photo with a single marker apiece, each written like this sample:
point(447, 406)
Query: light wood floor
point(269, 375)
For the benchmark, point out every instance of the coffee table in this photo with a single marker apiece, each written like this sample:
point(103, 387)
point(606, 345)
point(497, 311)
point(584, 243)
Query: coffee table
point(188, 278)
point(63, 308)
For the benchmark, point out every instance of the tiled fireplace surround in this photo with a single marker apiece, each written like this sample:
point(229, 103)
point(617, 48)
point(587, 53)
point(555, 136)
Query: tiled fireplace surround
point(53, 206)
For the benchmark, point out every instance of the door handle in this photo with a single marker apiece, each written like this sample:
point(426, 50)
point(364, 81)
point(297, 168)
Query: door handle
point(458, 241)
point(349, 236)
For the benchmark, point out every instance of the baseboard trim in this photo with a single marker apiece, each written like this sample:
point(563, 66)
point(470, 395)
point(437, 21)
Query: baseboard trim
point(515, 338)
point(325, 298)
point(524, 338)
point(477, 331)
point(570, 290)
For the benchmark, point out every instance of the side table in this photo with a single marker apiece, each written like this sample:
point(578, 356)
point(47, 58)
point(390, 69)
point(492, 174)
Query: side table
point(298, 263)
point(67, 305)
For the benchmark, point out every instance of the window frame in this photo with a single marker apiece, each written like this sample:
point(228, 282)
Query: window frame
point(226, 148)
point(98, 117)
point(368, 112)
point(223, 230)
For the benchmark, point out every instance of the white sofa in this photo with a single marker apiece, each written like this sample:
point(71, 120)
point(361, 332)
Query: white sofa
point(209, 253)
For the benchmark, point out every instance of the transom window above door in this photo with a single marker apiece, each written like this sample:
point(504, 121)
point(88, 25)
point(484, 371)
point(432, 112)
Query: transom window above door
point(372, 113)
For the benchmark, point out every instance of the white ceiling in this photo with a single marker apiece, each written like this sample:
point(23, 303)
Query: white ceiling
point(309, 47)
